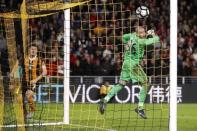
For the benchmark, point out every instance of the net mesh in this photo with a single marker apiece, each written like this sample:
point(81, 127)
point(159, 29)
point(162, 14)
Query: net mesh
point(96, 51)
point(103, 26)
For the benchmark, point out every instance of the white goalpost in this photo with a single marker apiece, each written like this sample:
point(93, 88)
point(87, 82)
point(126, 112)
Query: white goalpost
point(173, 65)
point(66, 65)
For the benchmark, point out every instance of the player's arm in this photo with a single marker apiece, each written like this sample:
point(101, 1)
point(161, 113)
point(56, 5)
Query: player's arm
point(149, 41)
point(44, 73)
point(153, 40)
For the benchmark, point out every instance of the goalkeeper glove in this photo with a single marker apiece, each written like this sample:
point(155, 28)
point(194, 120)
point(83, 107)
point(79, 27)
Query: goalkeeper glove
point(150, 33)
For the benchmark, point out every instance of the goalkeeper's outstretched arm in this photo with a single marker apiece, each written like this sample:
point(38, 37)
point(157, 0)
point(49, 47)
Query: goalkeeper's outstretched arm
point(150, 41)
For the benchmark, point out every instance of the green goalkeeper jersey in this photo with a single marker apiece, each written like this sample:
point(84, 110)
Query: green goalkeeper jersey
point(134, 46)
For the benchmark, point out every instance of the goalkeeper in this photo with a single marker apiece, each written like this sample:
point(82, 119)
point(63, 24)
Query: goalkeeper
point(131, 70)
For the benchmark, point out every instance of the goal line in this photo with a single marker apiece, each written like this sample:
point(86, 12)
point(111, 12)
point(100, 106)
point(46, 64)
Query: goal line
point(54, 124)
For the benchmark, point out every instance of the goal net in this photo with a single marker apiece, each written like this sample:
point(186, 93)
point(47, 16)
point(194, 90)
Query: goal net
point(101, 26)
point(82, 48)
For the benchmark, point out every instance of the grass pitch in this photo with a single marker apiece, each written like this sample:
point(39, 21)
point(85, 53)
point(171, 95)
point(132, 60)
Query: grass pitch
point(118, 117)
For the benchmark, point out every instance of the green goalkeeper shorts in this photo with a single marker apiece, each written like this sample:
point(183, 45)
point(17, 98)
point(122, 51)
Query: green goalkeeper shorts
point(132, 71)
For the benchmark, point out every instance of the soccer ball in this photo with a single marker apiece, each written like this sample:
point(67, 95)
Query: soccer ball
point(142, 12)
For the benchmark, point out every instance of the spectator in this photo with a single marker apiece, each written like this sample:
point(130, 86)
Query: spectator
point(187, 38)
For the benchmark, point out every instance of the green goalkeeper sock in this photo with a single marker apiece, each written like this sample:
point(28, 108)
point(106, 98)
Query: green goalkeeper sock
point(142, 97)
point(113, 92)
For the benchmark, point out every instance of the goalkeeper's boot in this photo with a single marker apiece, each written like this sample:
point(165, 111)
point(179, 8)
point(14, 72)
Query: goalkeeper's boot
point(141, 113)
point(102, 106)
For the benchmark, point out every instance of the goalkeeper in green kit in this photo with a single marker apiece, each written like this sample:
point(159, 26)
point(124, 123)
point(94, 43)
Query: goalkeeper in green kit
point(134, 44)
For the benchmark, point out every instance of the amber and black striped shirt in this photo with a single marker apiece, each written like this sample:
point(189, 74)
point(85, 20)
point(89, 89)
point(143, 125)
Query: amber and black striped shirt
point(33, 68)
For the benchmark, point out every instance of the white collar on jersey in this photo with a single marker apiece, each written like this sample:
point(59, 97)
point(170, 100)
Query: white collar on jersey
point(31, 59)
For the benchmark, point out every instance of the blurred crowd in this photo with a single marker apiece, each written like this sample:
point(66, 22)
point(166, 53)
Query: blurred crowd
point(96, 46)
point(187, 38)
point(48, 35)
